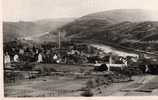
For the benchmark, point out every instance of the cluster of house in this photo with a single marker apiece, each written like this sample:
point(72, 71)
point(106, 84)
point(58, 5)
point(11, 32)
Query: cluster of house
point(74, 54)
point(43, 54)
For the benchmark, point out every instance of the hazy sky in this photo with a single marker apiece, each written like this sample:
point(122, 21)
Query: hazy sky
point(14, 10)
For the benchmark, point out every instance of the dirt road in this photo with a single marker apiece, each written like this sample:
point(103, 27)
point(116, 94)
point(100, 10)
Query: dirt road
point(108, 49)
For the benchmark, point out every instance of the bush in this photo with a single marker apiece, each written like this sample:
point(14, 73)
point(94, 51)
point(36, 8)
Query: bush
point(90, 84)
point(87, 93)
point(101, 68)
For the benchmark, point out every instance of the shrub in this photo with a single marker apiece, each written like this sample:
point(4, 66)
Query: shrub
point(101, 68)
point(87, 93)
point(89, 84)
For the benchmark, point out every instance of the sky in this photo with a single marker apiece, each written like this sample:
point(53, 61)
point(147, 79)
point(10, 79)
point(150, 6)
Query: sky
point(29, 10)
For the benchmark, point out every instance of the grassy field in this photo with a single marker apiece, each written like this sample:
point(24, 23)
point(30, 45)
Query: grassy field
point(52, 85)
point(64, 67)
point(58, 85)
point(46, 86)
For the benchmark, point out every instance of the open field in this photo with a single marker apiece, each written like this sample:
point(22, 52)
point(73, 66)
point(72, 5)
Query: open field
point(49, 86)
point(71, 85)
point(141, 86)
point(64, 67)
point(45, 86)
point(52, 85)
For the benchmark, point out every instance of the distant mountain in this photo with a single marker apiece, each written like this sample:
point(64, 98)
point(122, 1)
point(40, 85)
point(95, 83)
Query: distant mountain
point(121, 15)
point(85, 27)
point(145, 31)
point(116, 26)
point(13, 30)
point(101, 30)
point(53, 24)
point(120, 27)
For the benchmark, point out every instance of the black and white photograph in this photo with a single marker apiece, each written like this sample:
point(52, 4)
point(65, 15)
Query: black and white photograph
point(80, 48)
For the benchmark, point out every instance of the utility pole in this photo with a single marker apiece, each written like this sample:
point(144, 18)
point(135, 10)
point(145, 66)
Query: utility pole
point(59, 40)
point(110, 61)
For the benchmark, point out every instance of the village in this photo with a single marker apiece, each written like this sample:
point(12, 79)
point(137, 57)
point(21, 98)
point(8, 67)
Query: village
point(72, 69)
point(79, 48)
